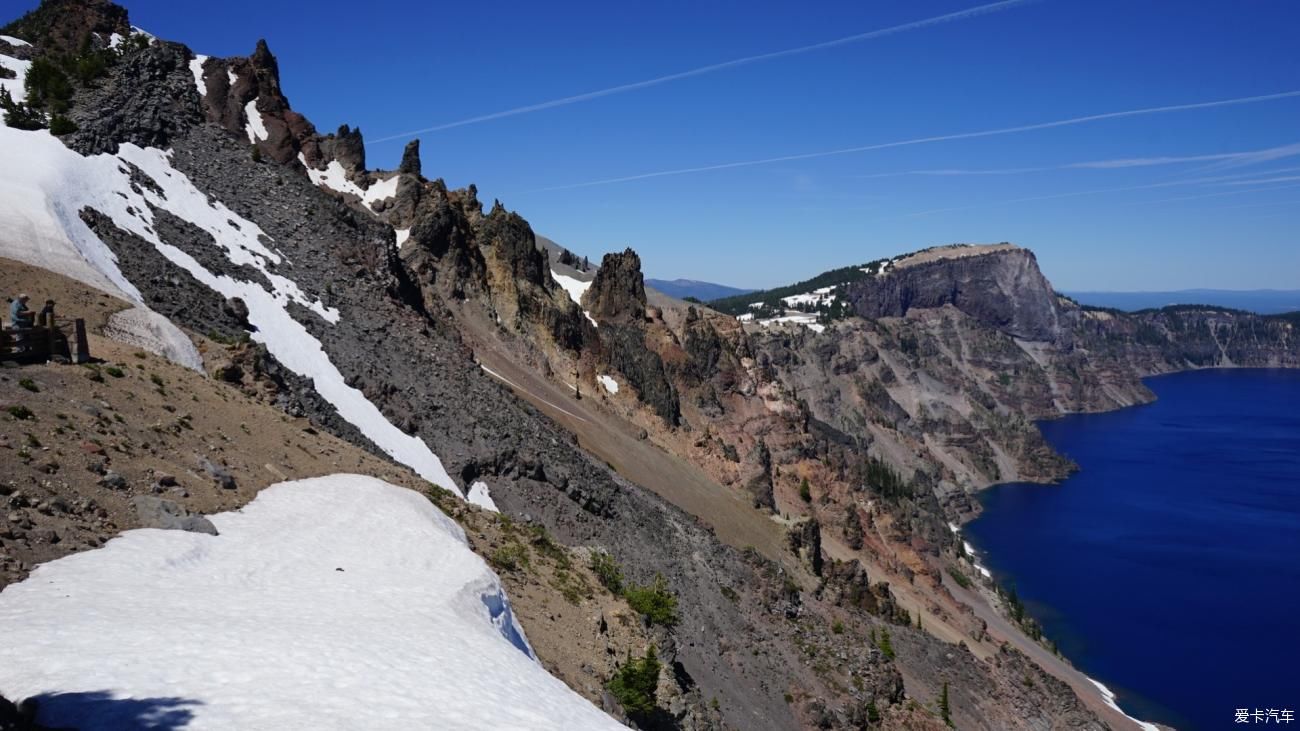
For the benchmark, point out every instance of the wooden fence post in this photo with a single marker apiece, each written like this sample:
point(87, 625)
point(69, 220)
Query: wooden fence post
point(80, 346)
point(52, 338)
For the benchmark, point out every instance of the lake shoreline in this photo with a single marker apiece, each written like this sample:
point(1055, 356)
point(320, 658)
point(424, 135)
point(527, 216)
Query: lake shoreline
point(1209, 401)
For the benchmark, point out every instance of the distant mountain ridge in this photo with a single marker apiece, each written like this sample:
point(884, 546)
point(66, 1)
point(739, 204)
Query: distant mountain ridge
point(1262, 301)
point(703, 291)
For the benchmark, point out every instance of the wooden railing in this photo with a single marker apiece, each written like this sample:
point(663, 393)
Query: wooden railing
point(45, 341)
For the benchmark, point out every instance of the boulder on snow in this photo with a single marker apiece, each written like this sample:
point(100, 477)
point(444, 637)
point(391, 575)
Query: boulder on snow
point(155, 512)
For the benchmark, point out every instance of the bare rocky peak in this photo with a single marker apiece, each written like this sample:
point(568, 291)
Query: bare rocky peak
point(67, 26)
point(617, 293)
point(236, 86)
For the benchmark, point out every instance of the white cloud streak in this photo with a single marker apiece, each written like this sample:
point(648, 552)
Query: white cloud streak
point(1236, 159)
point(1218, 179)
point(938, 138)
point(1241, 158)
point(712, 68)
point(1262, 181)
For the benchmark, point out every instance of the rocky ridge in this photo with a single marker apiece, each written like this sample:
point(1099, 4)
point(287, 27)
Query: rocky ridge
point(340, 249)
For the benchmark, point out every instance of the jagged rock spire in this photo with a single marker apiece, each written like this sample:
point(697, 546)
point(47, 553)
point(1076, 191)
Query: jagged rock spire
point(618, 291)
point(411, 159)
point(347, 146)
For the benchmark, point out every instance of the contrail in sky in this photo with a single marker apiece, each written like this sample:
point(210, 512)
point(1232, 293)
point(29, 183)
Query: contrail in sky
point(939, 138)
point(1218, 179)
point(700, 71)
point(1237, 158)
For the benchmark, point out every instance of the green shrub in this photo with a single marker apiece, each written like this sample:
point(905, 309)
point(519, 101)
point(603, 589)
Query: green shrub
point(510, 557)
point(548, 548)
point(61, 125)
point(805, 492)
point(30, 385)
point(962, 579)
point(20, 412)
point(48, 86)
point(114, 371)
point(636, 684)
point(654, 602)
point(837, 627)
point(607, 572)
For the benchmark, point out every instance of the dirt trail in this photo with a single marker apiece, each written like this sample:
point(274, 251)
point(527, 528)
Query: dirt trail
point(615, 441)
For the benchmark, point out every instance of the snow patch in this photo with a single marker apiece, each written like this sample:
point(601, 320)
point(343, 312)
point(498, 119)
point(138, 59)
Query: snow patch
point(17, 86)
point(609, 383)
point(231, 76)
point(575, 287)
point(336, 602)
point(881, 268)
point(196, 68)
point(402, 235)
point(16, 42)
point(115, 40)
point(970, 552)
point(1108, 697)
point(148, 330)
point(821, 296)
point(335, 178)
point(807, 319)
point(256, 127)
point(480, 495)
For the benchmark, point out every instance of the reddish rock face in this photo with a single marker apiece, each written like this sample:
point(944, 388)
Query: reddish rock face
point(257, 79)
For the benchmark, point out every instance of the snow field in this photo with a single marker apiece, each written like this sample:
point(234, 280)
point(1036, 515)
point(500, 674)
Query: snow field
point(337, 602)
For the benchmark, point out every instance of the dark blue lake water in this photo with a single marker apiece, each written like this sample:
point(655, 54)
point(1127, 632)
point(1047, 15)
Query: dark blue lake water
point(1168, 568)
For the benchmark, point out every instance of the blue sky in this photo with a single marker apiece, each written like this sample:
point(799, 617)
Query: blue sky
point(392, 66)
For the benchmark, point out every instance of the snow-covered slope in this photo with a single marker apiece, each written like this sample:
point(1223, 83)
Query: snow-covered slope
point(338, 602)
point(43, 188)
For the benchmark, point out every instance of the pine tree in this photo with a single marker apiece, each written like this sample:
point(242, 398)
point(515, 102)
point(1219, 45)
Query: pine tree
point(886, 646)
point(805, 492)
point(945, 710)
